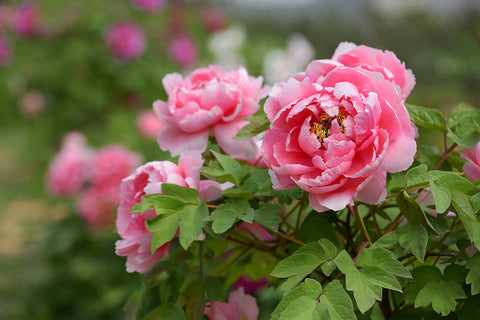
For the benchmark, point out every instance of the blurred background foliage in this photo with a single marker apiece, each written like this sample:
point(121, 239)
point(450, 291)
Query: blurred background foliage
point(51, 266)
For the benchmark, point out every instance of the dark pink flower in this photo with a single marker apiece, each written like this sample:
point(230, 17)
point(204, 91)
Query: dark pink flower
point(125, 40)
point(148, 125)
point(183, 51)
point(148, 5)
point(213, 19)
point(70, 168)
point(148, 179)
point(249, 285)
point(97, 206)
point(336, 131)
point(240, 306)
point(208, 100)
point(472, 167)
point(25, 19)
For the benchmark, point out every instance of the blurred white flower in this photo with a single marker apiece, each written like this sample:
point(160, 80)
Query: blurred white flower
point(225, 44)
point(280, 63)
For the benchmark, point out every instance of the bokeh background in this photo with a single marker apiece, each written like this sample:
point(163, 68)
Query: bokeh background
point(58, 73)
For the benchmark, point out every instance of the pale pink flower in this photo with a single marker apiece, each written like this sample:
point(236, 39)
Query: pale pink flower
point(69, 169)
point(148, 5)
point(31, 104)
point(112, 164)
point(213, 19)
point(209, 99)
point(125, 40)
point(472, 167)
point(25, 19)
point(384, 62)
point(5, 52)
point(183, 51)
point(97, 206)
point(240, 306)
point(148, 125)
point(148, 179)
point(336, 131)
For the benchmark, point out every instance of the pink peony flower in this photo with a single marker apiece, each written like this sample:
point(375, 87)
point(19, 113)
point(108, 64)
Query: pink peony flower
point(69, 169)
point(384, 62)
point(5, 52)
point(25, 19)
point(125, 40)
point(112, 164)
point(97, 206)
point(183, 51)
point(209, 99)
point(240, 306)
point(472, 167)
point(148, 5)
point(148, 125)
point(256, 230)
point(148, 179)
point(336, 131)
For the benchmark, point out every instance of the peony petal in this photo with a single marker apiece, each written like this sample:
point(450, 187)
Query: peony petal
point(373, 190)
point(176, 141)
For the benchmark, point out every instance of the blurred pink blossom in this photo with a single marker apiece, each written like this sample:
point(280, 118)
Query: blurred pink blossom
point(256, 230)
point(69, 169)
point(240, 306)
point(25, 20)
point(126, 41)
point(148, 5)
point(249, 285)
point(183, 51)
point(5, 52)
point(472, 167)
point(148, 125)
point(31, 104)
point(213, 19)
point(97, 205)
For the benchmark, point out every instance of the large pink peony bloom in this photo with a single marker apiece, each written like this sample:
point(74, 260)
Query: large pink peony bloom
point(336, 131)
point(148, 179)
point(70, 168)
point(209, 99)
point(126, 41)
point(384, 62)
point(148, 5)
point(240, 306)
point(472, 167)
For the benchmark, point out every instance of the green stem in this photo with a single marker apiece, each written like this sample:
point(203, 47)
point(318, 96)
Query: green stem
point(359, 220)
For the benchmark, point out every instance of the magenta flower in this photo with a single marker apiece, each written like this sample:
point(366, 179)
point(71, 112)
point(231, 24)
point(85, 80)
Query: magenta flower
point(70, 168)
point(25, 19)
point(148, 179)
point(240, 306)
point(336, 131)
point(207, 100)
point(472, 167)
point(183, 51)
point(125, 40)
point(148, 5)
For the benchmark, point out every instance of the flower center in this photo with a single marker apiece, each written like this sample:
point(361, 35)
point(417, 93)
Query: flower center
point(322, 128)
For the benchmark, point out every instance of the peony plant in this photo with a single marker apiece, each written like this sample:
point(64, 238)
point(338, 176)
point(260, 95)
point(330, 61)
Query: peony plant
point(321, 201)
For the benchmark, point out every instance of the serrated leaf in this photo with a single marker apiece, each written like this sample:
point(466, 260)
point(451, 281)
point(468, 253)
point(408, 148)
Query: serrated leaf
point(191, 223)
point(227, 213)
point(384, 259)
point(413, 211)
point(310, 289)
point(415, 237)
point(421, 276)
point(473, 276)
point(337, 302)
point(442, 295)
point(465, 212)
point(267, 215)
point(184, 194)
point(442, 197)
point(426, 117)
point(231, 166)
point(164, 229)
point(417, 176)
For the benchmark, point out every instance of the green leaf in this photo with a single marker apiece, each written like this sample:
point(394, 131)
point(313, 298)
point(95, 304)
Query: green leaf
point(413, 211)
point(133, 304)
point(417, 176)
point(302, 308)
point(227, 213)
point(473, 276)
point(387, 241)
point(475, 201)
point(455, 273)
point(442, 295)
point(426, 117)
point(465, 212)
point(421, 276)
point(166, 312)
point(184, 194)
point(231, 166)
point(337, 302)
point(267, 215)
point(384, 259)
point(462, 126)
point(237, 193)
point(165, 204)
point(191, 223)
point(328, 267)
point(415, 237)
point(310, 289)
point(258, 124)
point(164, 229)
point(192, 297)
point(260, 184)
point(291, 283)
point(455, 182)
point(442, 197)
point(317, 226)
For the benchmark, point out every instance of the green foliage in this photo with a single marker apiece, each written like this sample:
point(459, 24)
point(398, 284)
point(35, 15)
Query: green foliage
point(227, 214)
point(426, 117)
point(441, 295)
point(463, 125)
point(258, 123)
